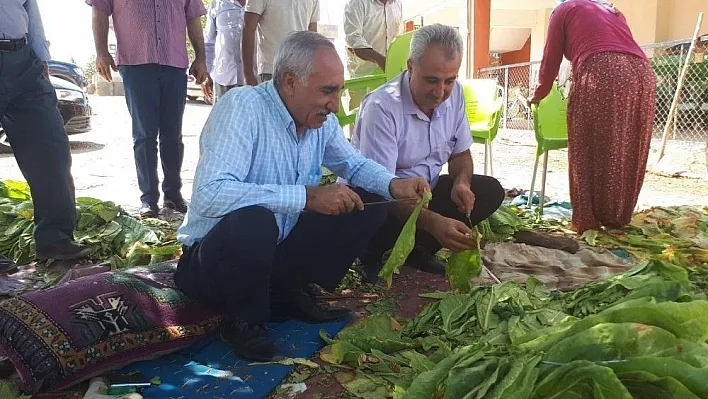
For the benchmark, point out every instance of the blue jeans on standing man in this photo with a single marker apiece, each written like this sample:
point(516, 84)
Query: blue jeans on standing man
point(156, 96)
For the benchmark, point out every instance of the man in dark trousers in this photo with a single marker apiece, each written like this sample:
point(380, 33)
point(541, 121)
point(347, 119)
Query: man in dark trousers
point(260, 228)
point(35, 129)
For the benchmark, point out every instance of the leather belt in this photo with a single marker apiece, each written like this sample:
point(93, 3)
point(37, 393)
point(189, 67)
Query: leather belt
point(10, 45)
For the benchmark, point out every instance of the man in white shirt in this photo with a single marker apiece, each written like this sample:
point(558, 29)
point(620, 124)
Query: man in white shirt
point(370, 26)
point(273, 20)
point(223, 44)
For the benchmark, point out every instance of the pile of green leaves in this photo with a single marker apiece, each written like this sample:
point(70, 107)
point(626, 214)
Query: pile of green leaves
point(677, 234)
point(502, 225)
point(112, 234)
point(641, 334)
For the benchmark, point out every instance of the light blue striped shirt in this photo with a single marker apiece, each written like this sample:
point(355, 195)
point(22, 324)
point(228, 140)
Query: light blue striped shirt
point(20, 18)
point(250, 154)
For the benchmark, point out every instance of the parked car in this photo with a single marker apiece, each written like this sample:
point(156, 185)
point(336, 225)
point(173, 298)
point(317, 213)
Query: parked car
point(194, 91)
point(73, 105)
point(68, 71)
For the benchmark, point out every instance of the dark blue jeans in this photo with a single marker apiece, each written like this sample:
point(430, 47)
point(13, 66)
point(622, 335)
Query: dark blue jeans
point(35, 129)
point(156, 95)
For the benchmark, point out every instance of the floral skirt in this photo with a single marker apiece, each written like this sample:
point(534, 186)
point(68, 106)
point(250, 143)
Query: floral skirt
point(610, 125)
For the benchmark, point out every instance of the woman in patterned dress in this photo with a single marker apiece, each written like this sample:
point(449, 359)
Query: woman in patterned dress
point(610, 110)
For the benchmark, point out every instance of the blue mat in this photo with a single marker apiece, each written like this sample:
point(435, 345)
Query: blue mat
point(209, 368)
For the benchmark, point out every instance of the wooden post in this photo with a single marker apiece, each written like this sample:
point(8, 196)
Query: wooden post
point(679, 86)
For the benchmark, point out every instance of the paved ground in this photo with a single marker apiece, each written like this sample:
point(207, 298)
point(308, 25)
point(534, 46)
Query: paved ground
point(103, 161)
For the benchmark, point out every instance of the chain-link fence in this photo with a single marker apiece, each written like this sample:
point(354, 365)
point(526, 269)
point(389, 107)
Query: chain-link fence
point(690, 122)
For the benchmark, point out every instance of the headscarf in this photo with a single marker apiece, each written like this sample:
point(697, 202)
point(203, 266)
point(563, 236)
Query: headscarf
point(604, 3)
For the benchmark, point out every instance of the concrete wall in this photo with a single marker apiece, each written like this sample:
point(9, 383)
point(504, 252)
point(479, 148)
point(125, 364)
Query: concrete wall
point(518, 56)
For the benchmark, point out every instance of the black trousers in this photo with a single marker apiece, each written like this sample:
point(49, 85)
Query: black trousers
point(488, 193)
point(35, 129)
point(237, 265)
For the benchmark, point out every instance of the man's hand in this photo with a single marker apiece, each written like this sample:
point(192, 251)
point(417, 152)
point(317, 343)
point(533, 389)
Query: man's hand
point(45, 69)
point(453, 234)
point(208, 88)
point(462, 196)
point(530, 101)
point(199, 71)
point(104, 66)
point(250, 78)
point(333, 199)
point(408, 188)
point(382, 64)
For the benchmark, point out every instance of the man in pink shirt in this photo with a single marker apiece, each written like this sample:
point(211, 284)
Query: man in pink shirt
point(152, 60)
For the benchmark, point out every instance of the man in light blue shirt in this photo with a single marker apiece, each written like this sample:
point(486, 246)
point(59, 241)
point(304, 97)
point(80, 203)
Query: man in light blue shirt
point(414, 125)
point(224, 27)
point(35, 129)
point(259, 228)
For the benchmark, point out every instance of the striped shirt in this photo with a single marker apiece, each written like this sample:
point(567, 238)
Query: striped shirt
point(151, 31)
point(250, 154)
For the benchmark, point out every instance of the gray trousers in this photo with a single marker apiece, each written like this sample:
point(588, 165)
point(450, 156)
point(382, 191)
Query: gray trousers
point(220, 90)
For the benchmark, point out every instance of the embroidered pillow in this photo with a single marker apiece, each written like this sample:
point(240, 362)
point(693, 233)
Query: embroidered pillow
point(93, 325)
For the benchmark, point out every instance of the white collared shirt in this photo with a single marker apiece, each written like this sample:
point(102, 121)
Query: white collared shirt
point(370, 24)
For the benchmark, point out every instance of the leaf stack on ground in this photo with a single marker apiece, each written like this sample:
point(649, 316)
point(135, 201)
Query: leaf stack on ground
point(640, 334)
point(113, 235)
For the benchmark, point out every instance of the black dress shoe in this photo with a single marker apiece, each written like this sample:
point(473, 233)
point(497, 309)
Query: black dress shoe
point(148, 210)
point(250, 342)
point(298, 305)
point(63, 250)
point(175, 204)
point(369, 270)
point(7, 264)
point(423, 260)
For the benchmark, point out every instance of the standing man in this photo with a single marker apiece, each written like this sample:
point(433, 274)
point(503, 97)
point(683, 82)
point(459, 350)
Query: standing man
point(223, 44)
point(35, 129)
point(370, 26)
point(273, 19)
point(152, 60)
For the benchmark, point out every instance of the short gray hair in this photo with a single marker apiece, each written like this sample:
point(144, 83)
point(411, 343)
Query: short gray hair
point(436, 34)
point(296, 55)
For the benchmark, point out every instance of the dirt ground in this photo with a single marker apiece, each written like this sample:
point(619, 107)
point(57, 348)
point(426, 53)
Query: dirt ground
point(103, 165)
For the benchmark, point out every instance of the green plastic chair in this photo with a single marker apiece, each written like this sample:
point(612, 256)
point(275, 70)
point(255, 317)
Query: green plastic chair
point(396, 62)
point(484, 99)
point(551, 128)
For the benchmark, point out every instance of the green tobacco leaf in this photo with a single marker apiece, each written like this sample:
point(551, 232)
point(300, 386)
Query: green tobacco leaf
point(135, 232)
point(693, 378)
point(405, 242)
point(17, 190)
point(590, 236)
point(454, 311)
point(462, 267)
point(642, 384)
point(363, 386)
point(429, 384)
point(581, 379)
point(8, 390)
